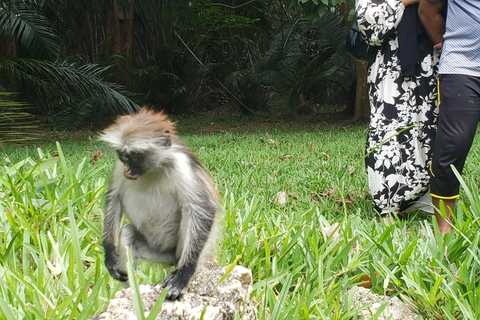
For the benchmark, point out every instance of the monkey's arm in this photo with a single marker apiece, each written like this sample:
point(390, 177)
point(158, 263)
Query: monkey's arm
point(111, 229)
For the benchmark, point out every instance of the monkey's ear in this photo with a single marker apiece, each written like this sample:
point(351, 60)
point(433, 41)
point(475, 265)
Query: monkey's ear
point(167, 139)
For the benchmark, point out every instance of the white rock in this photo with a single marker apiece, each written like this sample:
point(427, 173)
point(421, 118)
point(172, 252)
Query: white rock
point(219, 300)
point(396, 309)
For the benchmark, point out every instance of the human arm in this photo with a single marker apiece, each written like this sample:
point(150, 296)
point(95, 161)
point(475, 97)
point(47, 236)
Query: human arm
point(433, 21)
point(409, 2)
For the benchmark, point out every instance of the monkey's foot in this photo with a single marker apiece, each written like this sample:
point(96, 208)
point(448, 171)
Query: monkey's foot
point(116, 272)
point(176, 285)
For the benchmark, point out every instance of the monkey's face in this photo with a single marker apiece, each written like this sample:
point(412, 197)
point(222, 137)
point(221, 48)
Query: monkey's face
point(134, 163)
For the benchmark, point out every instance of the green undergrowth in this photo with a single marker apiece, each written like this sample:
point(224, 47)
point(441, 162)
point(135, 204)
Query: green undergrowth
point(51, 209)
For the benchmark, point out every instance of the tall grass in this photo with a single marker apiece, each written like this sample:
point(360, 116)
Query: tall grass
point(51, 208)
point(51, 263)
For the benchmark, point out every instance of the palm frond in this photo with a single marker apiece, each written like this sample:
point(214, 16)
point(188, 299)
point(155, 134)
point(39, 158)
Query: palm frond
point(16, 123)
point(333, 30)
point(66, 84)
point(35, 36)
point(307, 63)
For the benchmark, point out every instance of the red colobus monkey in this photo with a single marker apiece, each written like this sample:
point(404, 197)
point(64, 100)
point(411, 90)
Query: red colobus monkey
point(168, 196)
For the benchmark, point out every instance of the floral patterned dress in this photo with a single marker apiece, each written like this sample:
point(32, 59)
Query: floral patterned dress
point(403, 113)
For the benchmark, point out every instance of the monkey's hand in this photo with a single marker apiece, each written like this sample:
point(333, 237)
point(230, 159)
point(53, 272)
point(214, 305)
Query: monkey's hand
point(113, 267)
point(176, 283)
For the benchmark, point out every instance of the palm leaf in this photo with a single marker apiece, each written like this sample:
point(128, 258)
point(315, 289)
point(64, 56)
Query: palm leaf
point(16, 123)
point(24, 20)
point(307, 63)
point(67, 84)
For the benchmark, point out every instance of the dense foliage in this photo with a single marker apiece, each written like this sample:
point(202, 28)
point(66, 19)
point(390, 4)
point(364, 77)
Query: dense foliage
point(72, 60)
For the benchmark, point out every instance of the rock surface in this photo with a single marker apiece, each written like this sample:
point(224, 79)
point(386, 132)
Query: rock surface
point(219, 301)
point(396, 309)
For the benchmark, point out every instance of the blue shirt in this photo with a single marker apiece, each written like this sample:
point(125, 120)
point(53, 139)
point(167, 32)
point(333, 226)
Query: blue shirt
point(461, 42)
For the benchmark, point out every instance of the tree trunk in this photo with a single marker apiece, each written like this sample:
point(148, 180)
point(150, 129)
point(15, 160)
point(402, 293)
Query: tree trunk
point(123, 30)
point(9, 47)
point(362, 103)
point(120, 32)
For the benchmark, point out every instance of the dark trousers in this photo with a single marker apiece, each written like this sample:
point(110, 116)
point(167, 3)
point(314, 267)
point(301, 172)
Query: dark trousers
point(459, 114)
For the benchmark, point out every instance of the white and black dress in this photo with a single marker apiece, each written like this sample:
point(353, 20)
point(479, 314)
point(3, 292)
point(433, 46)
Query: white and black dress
point(403, 112)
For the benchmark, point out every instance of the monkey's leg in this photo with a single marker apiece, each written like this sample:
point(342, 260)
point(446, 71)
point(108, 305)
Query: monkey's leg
point(195, 227)
point(140, 249)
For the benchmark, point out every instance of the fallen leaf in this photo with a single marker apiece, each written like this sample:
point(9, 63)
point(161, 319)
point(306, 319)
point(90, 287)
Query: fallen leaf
point(325, 155)
point(366, 281)
point(310, 148)
point(98, 155)
point(242, 138)
point(330, 192)
point(292, 195)
point(284, 156)
point(348, 200)
point(248, 164)
point(351, 169)
point(332, 231)
point(280, 198)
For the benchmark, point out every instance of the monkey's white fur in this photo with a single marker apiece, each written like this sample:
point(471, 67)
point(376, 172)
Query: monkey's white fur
point(160, 205)
point(173, 204)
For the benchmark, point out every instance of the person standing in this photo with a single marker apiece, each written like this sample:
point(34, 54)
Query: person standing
point(403, 104)
point(459, 98)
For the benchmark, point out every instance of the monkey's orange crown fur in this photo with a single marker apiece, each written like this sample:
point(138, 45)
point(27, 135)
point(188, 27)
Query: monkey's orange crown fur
point(145, 125)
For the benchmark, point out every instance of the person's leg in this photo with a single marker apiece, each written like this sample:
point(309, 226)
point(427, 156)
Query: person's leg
point(458, 119)
point(444, 225)
point(388, 218)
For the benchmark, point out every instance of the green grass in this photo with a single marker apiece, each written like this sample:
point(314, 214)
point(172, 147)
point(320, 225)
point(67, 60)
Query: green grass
point(51, 208)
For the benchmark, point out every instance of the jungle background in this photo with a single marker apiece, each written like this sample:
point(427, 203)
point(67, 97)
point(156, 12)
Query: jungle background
point(73, 64)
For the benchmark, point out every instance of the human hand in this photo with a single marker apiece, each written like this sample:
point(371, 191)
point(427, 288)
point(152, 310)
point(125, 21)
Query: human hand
point(438, 47)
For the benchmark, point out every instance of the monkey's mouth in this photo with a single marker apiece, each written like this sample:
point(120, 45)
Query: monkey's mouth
point(128, 174)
